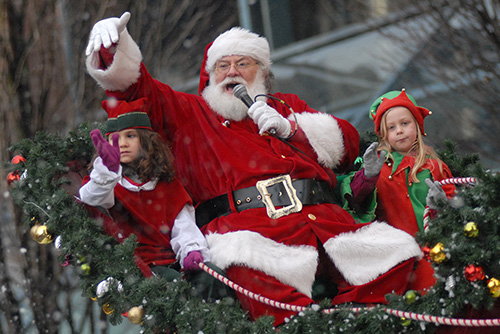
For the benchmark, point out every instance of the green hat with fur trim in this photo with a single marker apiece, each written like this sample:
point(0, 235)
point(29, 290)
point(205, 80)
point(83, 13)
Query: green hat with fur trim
point(124, 115)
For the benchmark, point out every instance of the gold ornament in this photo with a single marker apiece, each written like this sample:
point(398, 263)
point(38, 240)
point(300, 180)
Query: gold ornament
point(437, 253)
point(85, 268)
point(135, 315)
point(470, 230)
point(41, 234)
point(494, 286)
point(410, 296)
point(33, 230)
point(107, 308)
point(405, 322)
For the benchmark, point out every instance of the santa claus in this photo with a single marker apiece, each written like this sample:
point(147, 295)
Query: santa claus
point(262, 177)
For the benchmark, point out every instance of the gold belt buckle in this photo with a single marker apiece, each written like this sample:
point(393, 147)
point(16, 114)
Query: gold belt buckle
point(272, 212)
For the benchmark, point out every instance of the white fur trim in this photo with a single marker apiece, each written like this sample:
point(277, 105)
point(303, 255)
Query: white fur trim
point(241, 42)
point(124, 71)
point(291, 265)
point(363, 255)
point(324, 135)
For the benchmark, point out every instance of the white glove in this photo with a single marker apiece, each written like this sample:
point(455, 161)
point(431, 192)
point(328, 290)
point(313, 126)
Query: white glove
point(435, 194)
point(269, 120)
point(372, 161)
point(106, 32)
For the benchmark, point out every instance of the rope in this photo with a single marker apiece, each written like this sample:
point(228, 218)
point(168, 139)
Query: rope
point(250, 294)
point(444, 320)
point(403, 314)
point(455, 180)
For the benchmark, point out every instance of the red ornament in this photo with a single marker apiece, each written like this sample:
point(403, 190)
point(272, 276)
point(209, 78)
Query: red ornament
point(474, 273)
point(12, 176)
point(427, 252)
point(17, 159)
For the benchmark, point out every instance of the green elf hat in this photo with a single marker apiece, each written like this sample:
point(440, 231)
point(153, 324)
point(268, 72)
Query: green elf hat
point(397, 99)
point(126, 115)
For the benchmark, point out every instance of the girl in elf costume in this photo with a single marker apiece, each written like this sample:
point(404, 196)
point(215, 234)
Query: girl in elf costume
point(133, 179)
point(400, 174)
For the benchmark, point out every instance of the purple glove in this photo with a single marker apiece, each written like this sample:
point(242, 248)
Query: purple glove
point(191, 261)
point(110, 155)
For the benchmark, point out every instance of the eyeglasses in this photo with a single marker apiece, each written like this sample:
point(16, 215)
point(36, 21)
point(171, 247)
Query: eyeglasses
point(241, 66)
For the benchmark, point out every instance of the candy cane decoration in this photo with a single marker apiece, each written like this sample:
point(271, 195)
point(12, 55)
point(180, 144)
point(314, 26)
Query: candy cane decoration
point(403, 314)
point(444, 320)
point(456, 180)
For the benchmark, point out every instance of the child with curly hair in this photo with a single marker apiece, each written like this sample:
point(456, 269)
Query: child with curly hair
point(133, 179)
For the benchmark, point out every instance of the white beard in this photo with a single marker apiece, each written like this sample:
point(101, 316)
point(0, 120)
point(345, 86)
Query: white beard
point(229, 106)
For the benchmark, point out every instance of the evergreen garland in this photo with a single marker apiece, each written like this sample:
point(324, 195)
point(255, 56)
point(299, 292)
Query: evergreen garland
point(40, 188)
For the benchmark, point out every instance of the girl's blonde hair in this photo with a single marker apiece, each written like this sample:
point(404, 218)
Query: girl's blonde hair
point(419, 150)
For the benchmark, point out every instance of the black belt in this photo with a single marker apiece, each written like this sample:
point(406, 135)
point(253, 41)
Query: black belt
point(308, 192)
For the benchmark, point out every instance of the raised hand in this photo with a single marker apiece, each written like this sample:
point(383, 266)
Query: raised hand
point(106, 32)
point(373, 162)
point(110, 154)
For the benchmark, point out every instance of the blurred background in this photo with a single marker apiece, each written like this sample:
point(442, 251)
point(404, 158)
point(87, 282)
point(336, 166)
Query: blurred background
point(337, 55)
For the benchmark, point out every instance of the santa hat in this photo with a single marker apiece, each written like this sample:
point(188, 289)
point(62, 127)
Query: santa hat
point(397, 99)
point(124, 115)
point(241, 42)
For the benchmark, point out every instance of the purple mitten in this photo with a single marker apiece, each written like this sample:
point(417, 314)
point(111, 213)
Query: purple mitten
point(191, 261)
point(110, 154)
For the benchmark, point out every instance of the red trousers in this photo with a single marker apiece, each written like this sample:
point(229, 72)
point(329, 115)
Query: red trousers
point(258, 282)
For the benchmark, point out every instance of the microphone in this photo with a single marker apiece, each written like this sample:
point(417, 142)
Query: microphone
point(240, 92)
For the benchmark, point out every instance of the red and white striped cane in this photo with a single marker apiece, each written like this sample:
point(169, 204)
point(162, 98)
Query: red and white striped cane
point(250, 294)
point(455, 180)
point(444, 320)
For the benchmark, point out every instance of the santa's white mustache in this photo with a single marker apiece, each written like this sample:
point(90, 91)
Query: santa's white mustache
point(230, 83)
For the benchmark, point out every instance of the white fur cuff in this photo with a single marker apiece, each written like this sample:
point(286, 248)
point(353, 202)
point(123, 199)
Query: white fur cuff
point(291, 265)
point(124, 71)
point(324, 135)
point(363, 255)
